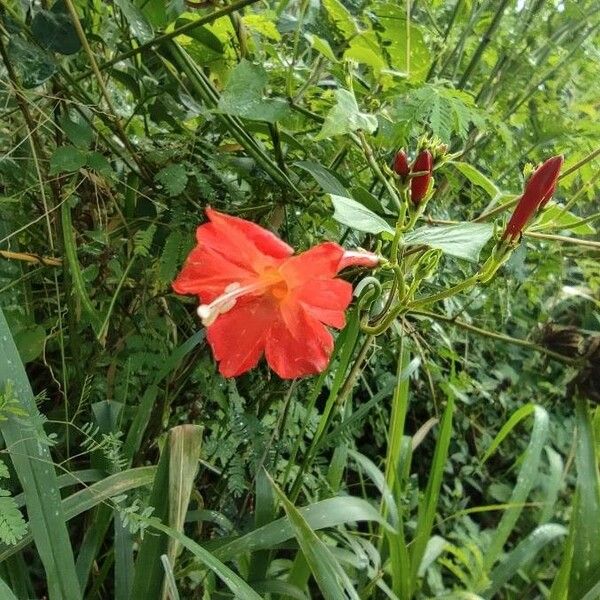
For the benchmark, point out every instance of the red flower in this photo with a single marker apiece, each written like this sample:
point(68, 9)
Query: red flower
point(257, 298)
point(538, 191)
point(401, 164)
point(420, 185)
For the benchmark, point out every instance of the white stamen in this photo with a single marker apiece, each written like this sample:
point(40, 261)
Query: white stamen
point(225, 302)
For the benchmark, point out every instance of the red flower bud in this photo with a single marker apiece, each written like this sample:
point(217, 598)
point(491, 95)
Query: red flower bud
point(401, 164)
point(420, 184)
point(538, 191)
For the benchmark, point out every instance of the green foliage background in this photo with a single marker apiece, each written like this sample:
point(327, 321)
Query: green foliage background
point(120, 122)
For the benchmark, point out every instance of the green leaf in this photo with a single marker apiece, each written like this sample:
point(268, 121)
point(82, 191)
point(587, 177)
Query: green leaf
point(521, 413)
point(365, 49)
point(463, 241)
point(262, 24)
point(91, 496)
point(477, 178)
point(174, 178)
point(235, 583)
point(30, 342)
point(66, 159)
point(324, 177)
point(392, 18)
point(321, 46)
point(331, 578)
point(27, 446)
point(524, 553)
point(139, 25)
point(54, 30)
point(353, 214)
point(526, 480)
point(325, 513)
point(345, 117)
point(341, 18)
point(79, 132)
point(33, 65)
point(98, 162)
point(585, 520)
point(243, 95)
point(554, 216)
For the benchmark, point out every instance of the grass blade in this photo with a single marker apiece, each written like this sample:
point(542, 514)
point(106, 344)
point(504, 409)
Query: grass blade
point(522, 554)
point(427, 508)
point(33, 464)
point(528, 475)
point(235, 583)
point(331, 578)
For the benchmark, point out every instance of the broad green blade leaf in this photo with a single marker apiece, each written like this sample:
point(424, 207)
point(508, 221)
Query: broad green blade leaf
point(346, 117)
point(512, 422)
point(170, 498)
point(463, 241)
point(477, 178)
point(585, 568)
point(184, 447)
point(526, 480)
point(353, 214)
point(331, 578)
point(378, 478)
point(91, 496)
point(6, 592)
point(235, 583)
point(325, 178)
point(428, 505)
point(28, 447)
point(523, 554)
point(326, 513)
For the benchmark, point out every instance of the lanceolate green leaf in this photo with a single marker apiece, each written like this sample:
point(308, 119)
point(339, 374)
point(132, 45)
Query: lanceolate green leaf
point(463, 241)
point(527, 478)
point(234, 582)
point(327, 571)
point(91, 496)
point(353, 214)
point(326, 513)
point(29, 452)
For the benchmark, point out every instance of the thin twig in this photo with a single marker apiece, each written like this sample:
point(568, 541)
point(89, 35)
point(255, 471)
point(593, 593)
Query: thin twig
point(502, 337)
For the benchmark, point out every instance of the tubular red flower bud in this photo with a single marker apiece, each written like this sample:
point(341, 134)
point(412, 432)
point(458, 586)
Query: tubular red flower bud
point(538, 191)
point(420, 184)
point(401, 164)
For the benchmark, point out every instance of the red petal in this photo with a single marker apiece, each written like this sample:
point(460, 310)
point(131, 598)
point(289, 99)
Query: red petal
point(260, 239)
point(293, 355)
point(325, 300)
point(207, 274)
point(320, 262)
point(238, 337)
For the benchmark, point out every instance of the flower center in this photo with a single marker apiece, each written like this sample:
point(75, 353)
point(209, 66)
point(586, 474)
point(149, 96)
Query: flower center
point(270, 281)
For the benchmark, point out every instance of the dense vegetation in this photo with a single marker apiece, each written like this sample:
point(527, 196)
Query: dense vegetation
point(450, 448)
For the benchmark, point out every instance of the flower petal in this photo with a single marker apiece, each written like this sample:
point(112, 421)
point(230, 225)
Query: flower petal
point(325, 300)
point(241, 241)
point(320, 262)
point(292, 354)
point(207, 273)
point(238, 337)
